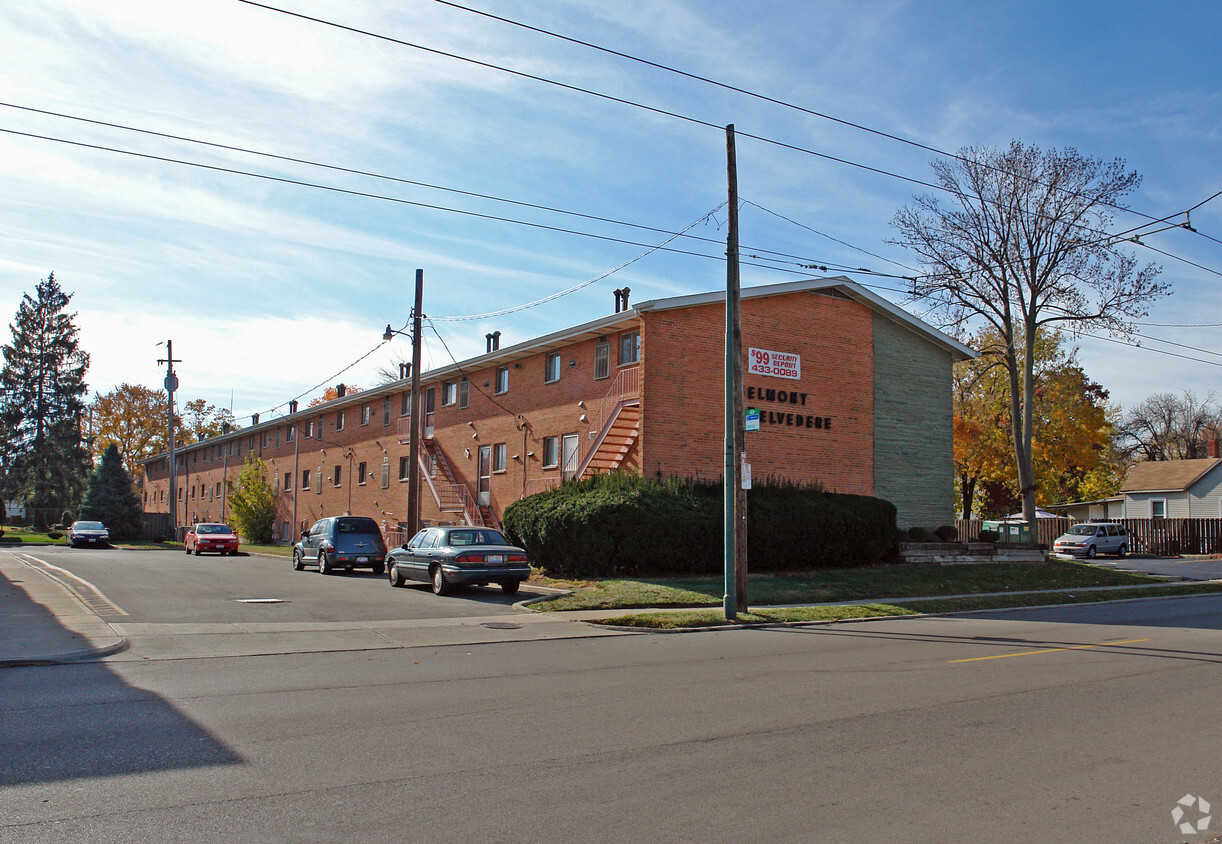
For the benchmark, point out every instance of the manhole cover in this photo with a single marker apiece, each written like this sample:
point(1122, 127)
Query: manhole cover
point(501, 625)
point(261, 601)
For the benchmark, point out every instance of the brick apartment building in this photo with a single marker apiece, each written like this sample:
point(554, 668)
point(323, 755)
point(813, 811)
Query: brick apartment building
point(852, 392)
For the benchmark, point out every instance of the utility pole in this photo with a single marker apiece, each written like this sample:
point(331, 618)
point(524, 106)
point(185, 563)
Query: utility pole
point(171, 384)
point(413, 452)
point(735, 598)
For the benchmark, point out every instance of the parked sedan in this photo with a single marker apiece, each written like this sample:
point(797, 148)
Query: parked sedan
point(452, 556)
point(207, 536)
point(88, 534)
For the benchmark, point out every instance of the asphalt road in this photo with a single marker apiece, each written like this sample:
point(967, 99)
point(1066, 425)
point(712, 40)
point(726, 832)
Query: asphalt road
point(1075, 724)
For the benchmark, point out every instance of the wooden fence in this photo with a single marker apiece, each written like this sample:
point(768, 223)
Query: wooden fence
point(1161, 537)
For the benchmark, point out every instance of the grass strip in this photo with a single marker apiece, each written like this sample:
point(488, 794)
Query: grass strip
point(858, 584)
point(695, 619)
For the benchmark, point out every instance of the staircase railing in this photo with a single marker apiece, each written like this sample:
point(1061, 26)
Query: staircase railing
point(627, 386)
point(451, 497)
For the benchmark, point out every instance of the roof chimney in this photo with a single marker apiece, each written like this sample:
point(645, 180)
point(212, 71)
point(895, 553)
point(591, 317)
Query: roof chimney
point(254, 419)
point(494, 341)
point(617, 293)
point(625, 291)
point(341, 390)
point(293, 406)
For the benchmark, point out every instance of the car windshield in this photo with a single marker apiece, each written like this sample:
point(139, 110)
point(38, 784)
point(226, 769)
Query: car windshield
point(357, 525)
point(1082, 530)
point(212, 529)
point(460, 538)
point(88, 526)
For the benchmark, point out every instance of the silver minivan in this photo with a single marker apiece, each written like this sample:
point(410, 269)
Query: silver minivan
point(1090, 538)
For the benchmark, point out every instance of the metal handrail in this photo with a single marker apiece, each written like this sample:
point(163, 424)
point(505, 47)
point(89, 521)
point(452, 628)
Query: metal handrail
point(627, 386)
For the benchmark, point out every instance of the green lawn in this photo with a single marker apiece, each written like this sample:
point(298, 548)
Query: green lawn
point(861, 584)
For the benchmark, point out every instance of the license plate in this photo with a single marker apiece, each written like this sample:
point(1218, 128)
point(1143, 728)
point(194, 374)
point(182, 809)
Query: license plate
point(362, 559)
point(496, 558)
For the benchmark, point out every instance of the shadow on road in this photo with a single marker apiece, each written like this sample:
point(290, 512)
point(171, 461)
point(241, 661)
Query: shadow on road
point(60, 722)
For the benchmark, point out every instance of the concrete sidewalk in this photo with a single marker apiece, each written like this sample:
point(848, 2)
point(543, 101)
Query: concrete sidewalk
point(42, 621)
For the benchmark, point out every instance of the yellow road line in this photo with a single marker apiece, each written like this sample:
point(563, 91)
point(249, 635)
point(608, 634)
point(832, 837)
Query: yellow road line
point(1051, 650)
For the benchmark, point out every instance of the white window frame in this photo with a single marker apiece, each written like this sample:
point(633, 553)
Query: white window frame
point(498, 457)
point(502, 380)
point(449, 393)
point(551, 452)
point(551, 368)
point(464, 394)
point(602, 360)
point(339, 420)
point(1163, 503)
point(366, 413)
point(631, 339)
point(362, 474)
point(305, 478)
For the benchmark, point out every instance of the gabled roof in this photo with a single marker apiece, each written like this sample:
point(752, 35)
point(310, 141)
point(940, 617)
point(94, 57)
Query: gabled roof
point(1167, 475)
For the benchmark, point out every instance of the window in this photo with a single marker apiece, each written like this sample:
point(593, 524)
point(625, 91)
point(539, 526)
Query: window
point(277, 438)
point(309, 428)
point(551, 452)
point(502, 379)
point(403, 467)
point(180, 493)
point(360, 473)
point(192, 492)
point(318, 430)
point(365, 413)
point(218, 489)
point(386, 412)
point(305, 478)
point(275, 484)
point(449, 393)
point(464, 393)
point(602, 361)
point(406, 404)
point(551, 371)
point(288, 433)
point(288, 481)
point(1158, 508)
point(498, 457)
point(629, 347)
point(385, 472)
point(339, 420)
point(195, 457)
point(265, 439)
point(337, 476)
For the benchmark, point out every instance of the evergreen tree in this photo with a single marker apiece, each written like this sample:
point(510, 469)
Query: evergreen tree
point(111, 498)
point(42, 398)
point(253, 503)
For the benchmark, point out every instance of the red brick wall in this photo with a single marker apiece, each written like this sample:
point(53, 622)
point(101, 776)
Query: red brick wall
point(684, 388)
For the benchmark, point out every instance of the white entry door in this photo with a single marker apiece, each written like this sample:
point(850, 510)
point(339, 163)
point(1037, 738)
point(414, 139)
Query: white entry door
point(485, 476)
point(568, 455)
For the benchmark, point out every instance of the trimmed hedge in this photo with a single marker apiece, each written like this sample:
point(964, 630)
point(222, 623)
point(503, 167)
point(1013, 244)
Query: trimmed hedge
point(626, 525)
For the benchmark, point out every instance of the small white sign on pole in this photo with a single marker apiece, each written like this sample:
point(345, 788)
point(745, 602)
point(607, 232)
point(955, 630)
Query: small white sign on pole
point(776, 364)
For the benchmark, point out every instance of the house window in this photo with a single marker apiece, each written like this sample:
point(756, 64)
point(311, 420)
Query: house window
point(337, 476)
point(602, 361)
point(361, 473)
point(218, 489)
point(386, 412)
point(319, 428)
point(1158, 508)
point(305, 478)
point(366, 412)
point(464, 393)
point(551, 371)
point(406, 404)
point(498, 457)
point(288, 481)
point(288, 433)
point(551, 452)
point(275, 484)
point(629, 347)
point(502, 379)
point(277, 438)
point(309, 428)
point(403, 467)
point(385, 472)
point(180, 493)
point(339, 420)
point(449, 393)
point(265, 439)
point(195, 457)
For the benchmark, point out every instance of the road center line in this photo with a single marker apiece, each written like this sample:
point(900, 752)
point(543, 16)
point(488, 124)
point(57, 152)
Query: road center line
point(1050, 650)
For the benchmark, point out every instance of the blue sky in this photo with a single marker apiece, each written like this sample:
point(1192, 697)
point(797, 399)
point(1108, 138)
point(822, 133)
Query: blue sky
point(268, 289)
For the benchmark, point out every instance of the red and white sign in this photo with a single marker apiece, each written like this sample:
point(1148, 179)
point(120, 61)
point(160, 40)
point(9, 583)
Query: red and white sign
point(776, 364)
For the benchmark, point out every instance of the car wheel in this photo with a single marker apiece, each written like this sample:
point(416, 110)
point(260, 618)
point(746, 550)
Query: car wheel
point(396, 577)
point(298, 564)
point(1122, 551)
point(197, 550)
point(441, 586)
point(186, 550)
point(510, 587)
point(323, 568)
point(1090, 553)
point(379, 568)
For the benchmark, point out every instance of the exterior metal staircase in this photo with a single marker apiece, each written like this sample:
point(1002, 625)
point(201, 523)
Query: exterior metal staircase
point(451, 494)
point(621, 431)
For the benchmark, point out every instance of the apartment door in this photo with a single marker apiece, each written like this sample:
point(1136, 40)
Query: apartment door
point(568, 455)
point(430, 411)
point(484, 496)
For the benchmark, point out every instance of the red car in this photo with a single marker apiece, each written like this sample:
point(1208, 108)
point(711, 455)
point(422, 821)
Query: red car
point(210, 537)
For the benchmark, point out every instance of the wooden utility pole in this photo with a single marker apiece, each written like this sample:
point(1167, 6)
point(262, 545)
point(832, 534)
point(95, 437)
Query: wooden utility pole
point(735, 599)
point(413, 468)
point(171, 384)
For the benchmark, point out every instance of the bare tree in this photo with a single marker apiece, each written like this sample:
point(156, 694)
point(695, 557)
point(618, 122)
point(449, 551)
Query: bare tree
point(1170, 427)
point(1022, 244)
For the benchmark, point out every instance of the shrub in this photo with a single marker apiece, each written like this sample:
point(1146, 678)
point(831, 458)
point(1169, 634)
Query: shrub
point(622, 524)
point(54, 534)
point(989, 535)
point(918, 534)
point(946, 533)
